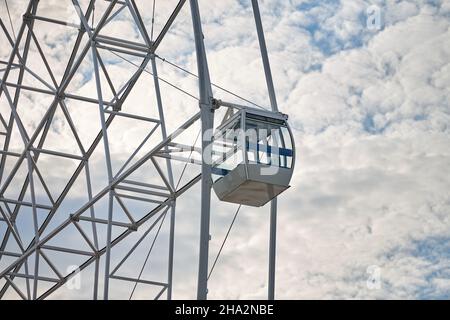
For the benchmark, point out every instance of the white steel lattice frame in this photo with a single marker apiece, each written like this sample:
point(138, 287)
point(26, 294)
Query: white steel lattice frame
point(161, 196)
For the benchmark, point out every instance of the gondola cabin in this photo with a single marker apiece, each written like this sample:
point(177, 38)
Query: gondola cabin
point(253, 157)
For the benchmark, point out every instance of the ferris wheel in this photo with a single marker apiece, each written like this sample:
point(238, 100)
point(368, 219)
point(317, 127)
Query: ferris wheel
point(68, 193)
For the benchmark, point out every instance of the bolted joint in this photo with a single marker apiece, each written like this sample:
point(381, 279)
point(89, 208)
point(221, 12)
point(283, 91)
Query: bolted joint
point(60, 95)
point(27, 17)
point(133, 227)
point(209, 105)
point(172, 199)
point(117, 106)
point(215, 103)
point(74, 218)
point(81, 28)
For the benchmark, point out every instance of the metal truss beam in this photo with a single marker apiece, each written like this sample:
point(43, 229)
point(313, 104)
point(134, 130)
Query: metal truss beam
point(35, 141)
point(25, 190)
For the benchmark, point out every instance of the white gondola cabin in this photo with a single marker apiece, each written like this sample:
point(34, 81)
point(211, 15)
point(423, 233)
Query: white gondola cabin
point(253, 157)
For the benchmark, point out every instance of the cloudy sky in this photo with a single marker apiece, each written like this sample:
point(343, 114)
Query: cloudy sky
point(366, 85)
